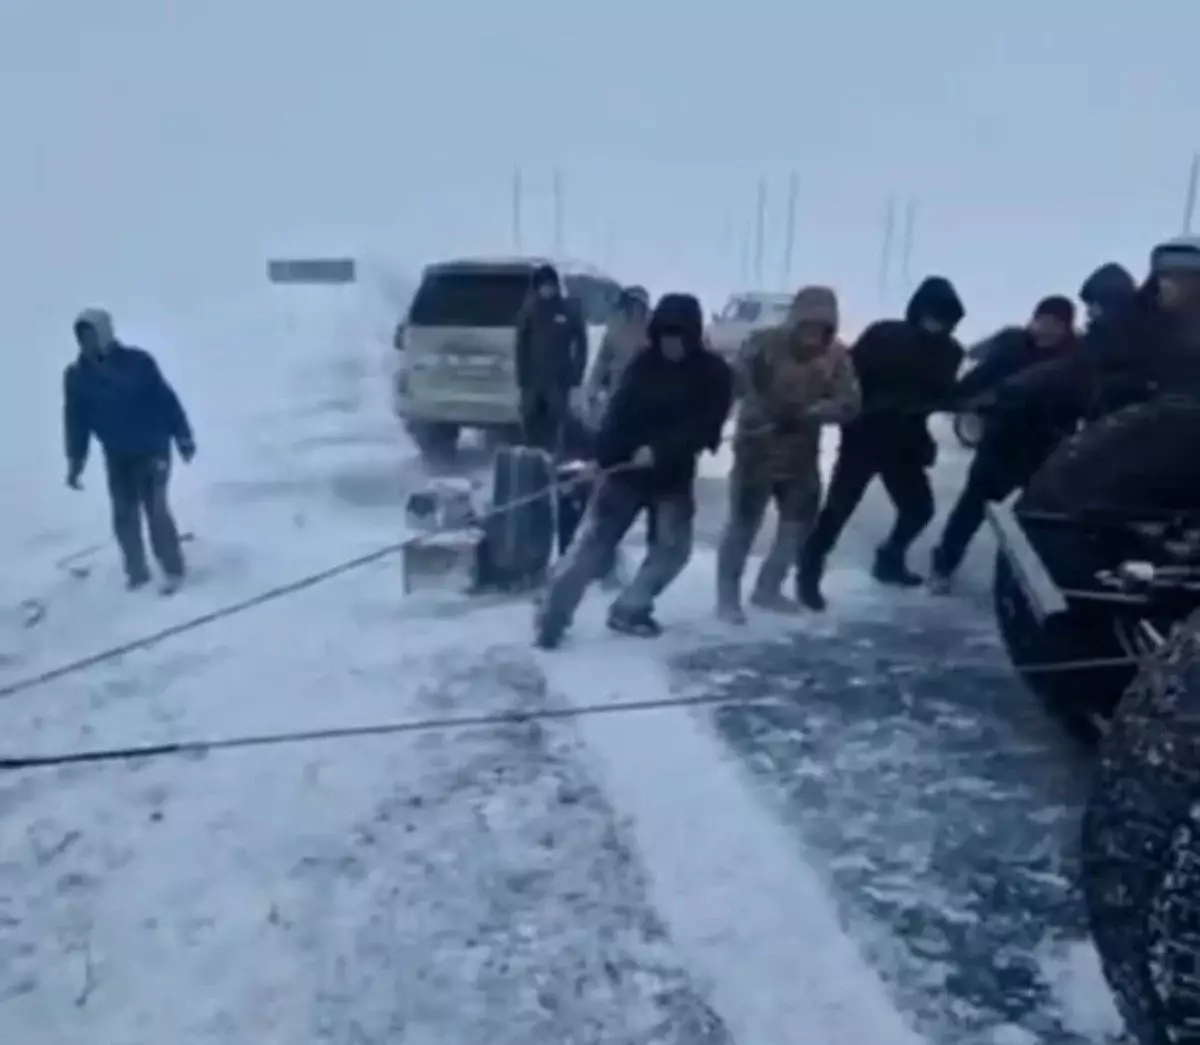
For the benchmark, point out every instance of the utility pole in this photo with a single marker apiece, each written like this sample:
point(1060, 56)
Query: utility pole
point(789, 243)
point(558, 216)
point(518, 194)
point(906, 245)
point(885, 249)
point(1189, 199)
point(760, 233)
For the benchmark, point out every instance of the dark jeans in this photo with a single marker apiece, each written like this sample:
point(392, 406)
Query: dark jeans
point(543, 420)
point(907, 484)
point(610, 513)
point(990, 478)
point(137, 486)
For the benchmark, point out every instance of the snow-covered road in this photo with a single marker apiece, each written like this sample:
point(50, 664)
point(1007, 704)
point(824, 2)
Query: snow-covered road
point(877, 850)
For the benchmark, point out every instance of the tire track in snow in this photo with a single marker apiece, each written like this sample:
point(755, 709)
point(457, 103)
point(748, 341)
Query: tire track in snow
point(492, 896)
point(738, 897)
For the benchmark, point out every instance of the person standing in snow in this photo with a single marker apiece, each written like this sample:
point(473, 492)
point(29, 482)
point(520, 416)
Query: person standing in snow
point(793, 378)
point(623, 338)
point(118, 394)
point(906, 369)
point(670, 406)
point(551, 358)
point(1018, 435)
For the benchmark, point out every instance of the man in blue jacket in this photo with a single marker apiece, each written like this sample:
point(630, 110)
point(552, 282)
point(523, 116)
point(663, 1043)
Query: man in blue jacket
point(118, 394)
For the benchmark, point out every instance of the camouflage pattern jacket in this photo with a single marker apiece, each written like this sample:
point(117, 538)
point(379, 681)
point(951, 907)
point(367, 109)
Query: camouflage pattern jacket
point(789, 389)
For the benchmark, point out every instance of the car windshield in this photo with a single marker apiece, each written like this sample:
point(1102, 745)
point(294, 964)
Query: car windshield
point(470, 299)
point(744, 310)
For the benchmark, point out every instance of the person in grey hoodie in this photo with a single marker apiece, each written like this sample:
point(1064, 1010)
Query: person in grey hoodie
point(551, 357)
point(118, 394)
point(623, 338)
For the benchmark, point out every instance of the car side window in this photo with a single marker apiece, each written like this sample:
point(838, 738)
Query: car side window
point(597, 297)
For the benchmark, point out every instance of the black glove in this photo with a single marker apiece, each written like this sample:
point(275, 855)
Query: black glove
point(74, 471)
point(187, 448)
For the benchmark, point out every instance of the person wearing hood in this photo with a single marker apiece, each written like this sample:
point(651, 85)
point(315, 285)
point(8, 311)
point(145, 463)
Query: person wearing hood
point(118, 394)
point(670, 406)
point(551, 358)
point(1128, 340)
point(1106, 292)
point(906, 369)
point(624, 336)
point(1015, 441)
point(793, 378)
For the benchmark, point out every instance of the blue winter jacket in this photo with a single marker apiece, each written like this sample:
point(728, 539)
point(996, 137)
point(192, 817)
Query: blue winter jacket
point(123, 400)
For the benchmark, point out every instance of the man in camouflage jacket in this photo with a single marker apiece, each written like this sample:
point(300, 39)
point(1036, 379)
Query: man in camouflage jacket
point(793, 379)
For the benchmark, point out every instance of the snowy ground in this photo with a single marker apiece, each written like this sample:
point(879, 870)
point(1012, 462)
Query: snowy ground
point(874, 845)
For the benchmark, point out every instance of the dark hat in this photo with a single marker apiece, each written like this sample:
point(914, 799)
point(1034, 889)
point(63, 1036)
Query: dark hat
point(1058, 307)
point(544, 274)
point(1111, 284)
point(936, 298)
point(678, 314)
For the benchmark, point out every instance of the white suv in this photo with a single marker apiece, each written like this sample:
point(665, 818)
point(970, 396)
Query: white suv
point(457, 345)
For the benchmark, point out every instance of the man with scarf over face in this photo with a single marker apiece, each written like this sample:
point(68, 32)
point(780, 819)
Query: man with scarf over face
point(906, 369)
point(793, 378)
point(670, 406)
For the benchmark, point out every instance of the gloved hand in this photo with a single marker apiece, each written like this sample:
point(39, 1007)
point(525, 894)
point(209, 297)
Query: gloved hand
point(74, 471)
point(187, 449)
point(643, 457)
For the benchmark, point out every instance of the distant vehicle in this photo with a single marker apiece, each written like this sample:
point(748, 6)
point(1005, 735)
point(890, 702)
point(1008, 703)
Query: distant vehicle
point(457, 353)
point(742, 315)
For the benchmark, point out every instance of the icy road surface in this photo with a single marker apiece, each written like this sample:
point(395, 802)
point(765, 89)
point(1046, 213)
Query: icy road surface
point(873, 846)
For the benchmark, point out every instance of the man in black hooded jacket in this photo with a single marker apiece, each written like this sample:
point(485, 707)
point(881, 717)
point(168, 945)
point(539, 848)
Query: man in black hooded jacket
point(1106, 291)
point(670, 405)
point(1014, 443)
point(906, 369)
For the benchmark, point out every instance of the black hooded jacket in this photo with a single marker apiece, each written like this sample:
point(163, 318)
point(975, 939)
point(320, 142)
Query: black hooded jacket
point(677, 408)
point(906, 373)
point(1109, 288)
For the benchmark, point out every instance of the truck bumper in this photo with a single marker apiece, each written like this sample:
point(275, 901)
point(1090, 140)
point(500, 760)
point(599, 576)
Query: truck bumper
point(1046, 600)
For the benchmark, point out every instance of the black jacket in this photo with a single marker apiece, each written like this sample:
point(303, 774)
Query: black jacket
point(551, 346)
point(905, 373)
point(1021, 429)
point(677, 408)
point(1130, 354)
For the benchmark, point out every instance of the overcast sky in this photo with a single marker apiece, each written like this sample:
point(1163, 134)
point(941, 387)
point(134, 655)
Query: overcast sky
point(151, 140)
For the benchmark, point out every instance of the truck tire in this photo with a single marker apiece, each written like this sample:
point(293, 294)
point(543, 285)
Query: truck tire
point(1140, 845)
point(437, 441)
point(1127, 460)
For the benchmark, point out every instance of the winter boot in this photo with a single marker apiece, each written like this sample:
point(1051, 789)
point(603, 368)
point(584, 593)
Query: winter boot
point(891, 569)
point(808, 581)
point(941, 580)
point(730, 612)
point(640, 623)
point(171, 583)
point(768, 588)
point(730, 563)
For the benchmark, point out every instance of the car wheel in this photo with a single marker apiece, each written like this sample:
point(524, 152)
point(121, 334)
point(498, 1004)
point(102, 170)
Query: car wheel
point(1140, 845)
point(1129, 460)
point(437, 441)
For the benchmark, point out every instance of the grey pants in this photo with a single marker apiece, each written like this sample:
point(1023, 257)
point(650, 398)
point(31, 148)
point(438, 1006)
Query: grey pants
point(137, 486)
point(797, 501)
point(610, 513)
